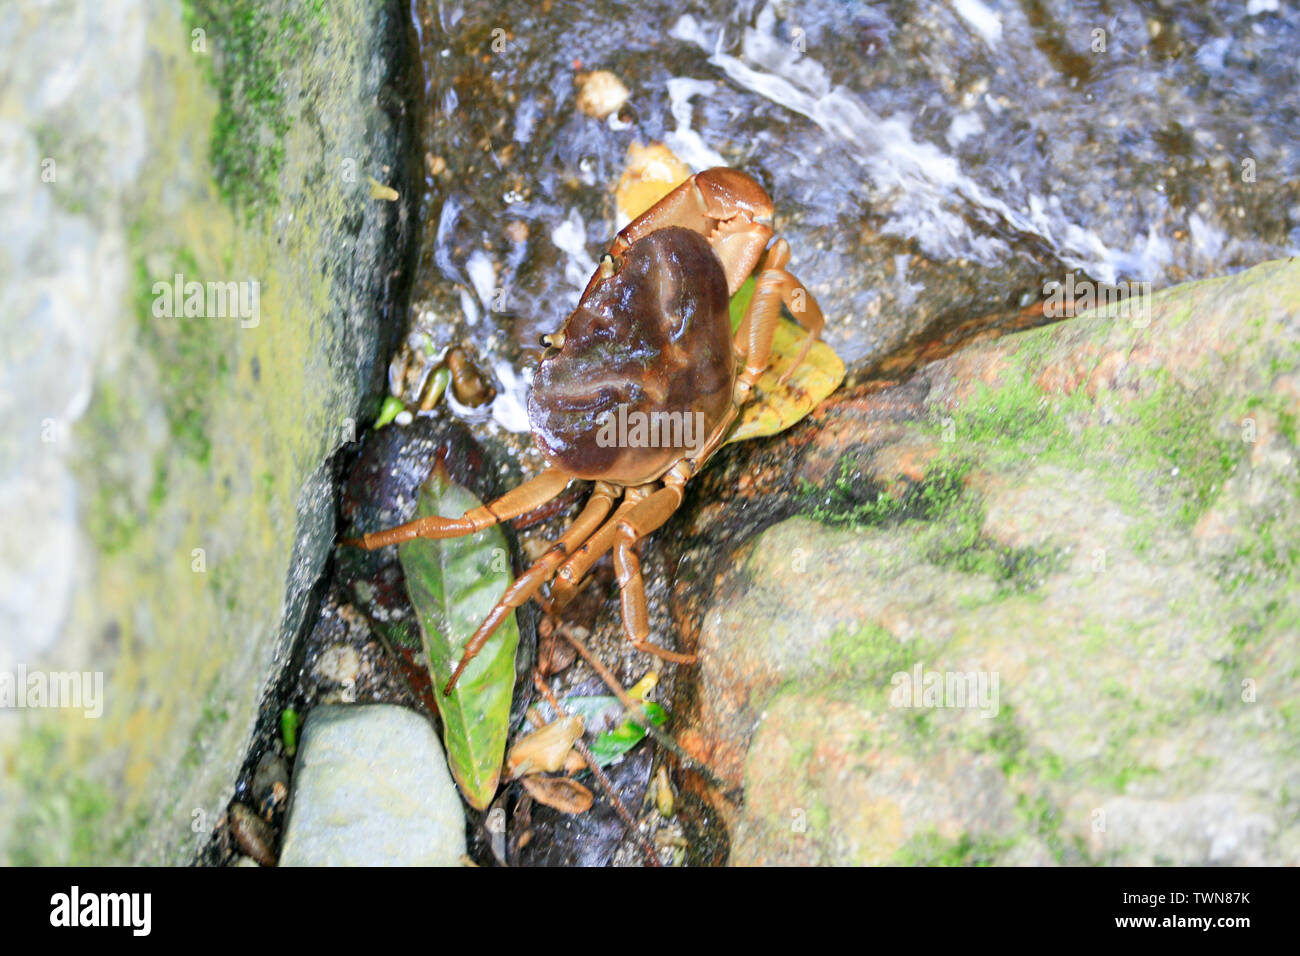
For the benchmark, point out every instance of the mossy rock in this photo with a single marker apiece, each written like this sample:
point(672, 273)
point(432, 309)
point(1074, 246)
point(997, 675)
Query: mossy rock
point(176, 501)
point(1106, 532)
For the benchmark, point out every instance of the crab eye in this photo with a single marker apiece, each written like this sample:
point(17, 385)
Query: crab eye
point(608, 266)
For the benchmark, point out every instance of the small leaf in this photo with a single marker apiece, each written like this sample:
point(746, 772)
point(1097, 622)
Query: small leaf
point(739, 304)
point(544, 750)
point(289, 730)
point(561, 793)
point(652, 173)
point(438, 382)
point(775, 406)
point(391, 408)
point(453, 584)
point(379, 191)
point(598, 712)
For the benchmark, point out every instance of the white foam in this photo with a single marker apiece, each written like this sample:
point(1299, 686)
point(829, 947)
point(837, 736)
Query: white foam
point(570, 237)
point(928, 196)
point(510, 407)
point(482, 276)
point(981, 19)
point(685, 142)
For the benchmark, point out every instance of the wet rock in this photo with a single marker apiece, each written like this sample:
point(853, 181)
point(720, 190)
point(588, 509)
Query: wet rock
point(1040, 608)
point(371, 788)
point(928, 164)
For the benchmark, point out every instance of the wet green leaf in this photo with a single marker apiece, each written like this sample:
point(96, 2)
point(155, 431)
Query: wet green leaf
point(289, 730)
point(612, 744)
point(391, 408)
point(777, 405)
point(453, 585)
point(438, 383)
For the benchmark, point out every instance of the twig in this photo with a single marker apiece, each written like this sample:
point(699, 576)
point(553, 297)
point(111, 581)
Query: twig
point(636, 713)
point(651, 856)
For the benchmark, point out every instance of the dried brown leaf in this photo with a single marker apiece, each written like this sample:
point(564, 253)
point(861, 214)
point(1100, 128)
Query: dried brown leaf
point(560, 793)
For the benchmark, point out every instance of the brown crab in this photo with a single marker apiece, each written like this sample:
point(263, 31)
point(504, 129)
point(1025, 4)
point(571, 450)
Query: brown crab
point(650, 343)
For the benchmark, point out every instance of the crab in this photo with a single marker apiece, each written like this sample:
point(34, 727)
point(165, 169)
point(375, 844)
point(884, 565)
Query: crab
point(650, 343)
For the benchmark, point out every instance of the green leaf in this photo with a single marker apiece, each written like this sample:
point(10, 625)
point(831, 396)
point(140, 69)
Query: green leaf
point(391, 408)
point(453, 585)
point(610, 745)
point(289, 730)
point(740, 303)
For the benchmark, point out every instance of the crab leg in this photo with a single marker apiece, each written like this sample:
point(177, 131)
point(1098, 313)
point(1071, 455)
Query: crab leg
point(570, 574)
point(597, 507)
point(526, 497)
point(643, 519)
point(773, 286)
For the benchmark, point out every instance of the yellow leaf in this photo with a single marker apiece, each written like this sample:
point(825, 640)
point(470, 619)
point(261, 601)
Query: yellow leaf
point(773, 406)
point(379, 191)
point(652, 173)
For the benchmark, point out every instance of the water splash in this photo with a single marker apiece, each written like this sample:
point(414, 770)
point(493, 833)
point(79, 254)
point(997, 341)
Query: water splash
point(930, 198)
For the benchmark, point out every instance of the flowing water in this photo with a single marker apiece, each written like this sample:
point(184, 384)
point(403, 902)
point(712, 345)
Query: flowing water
point(930, 162)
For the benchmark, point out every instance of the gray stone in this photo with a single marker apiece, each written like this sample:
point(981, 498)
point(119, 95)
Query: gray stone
point(371, 788)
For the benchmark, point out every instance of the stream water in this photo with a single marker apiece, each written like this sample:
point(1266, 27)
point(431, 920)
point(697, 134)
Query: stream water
point(930, 162)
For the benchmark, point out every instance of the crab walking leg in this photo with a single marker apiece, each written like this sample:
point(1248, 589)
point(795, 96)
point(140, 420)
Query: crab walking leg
point(526, 497)
point(773, 286)
point(570, 574)
point(597, 507)
point(646, 517)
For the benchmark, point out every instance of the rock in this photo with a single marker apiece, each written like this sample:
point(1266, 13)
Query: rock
point(164, 476)
point(371, 788)
point(1099, 523)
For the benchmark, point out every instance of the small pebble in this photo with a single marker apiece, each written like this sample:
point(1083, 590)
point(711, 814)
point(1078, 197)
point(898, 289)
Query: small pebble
point(601, 93)
point(339, 663)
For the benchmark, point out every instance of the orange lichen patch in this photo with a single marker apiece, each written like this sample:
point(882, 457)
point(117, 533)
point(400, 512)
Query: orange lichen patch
point(1106, 375)
point(898, 467)
point(984, 328)
point(693, 742)
point(1288, 386)
point(1264, 425)
point(652, 172)
point(1213, 524)
point(966, 372)
point(982, 482)
point(1070, 372)
point(866, 416)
